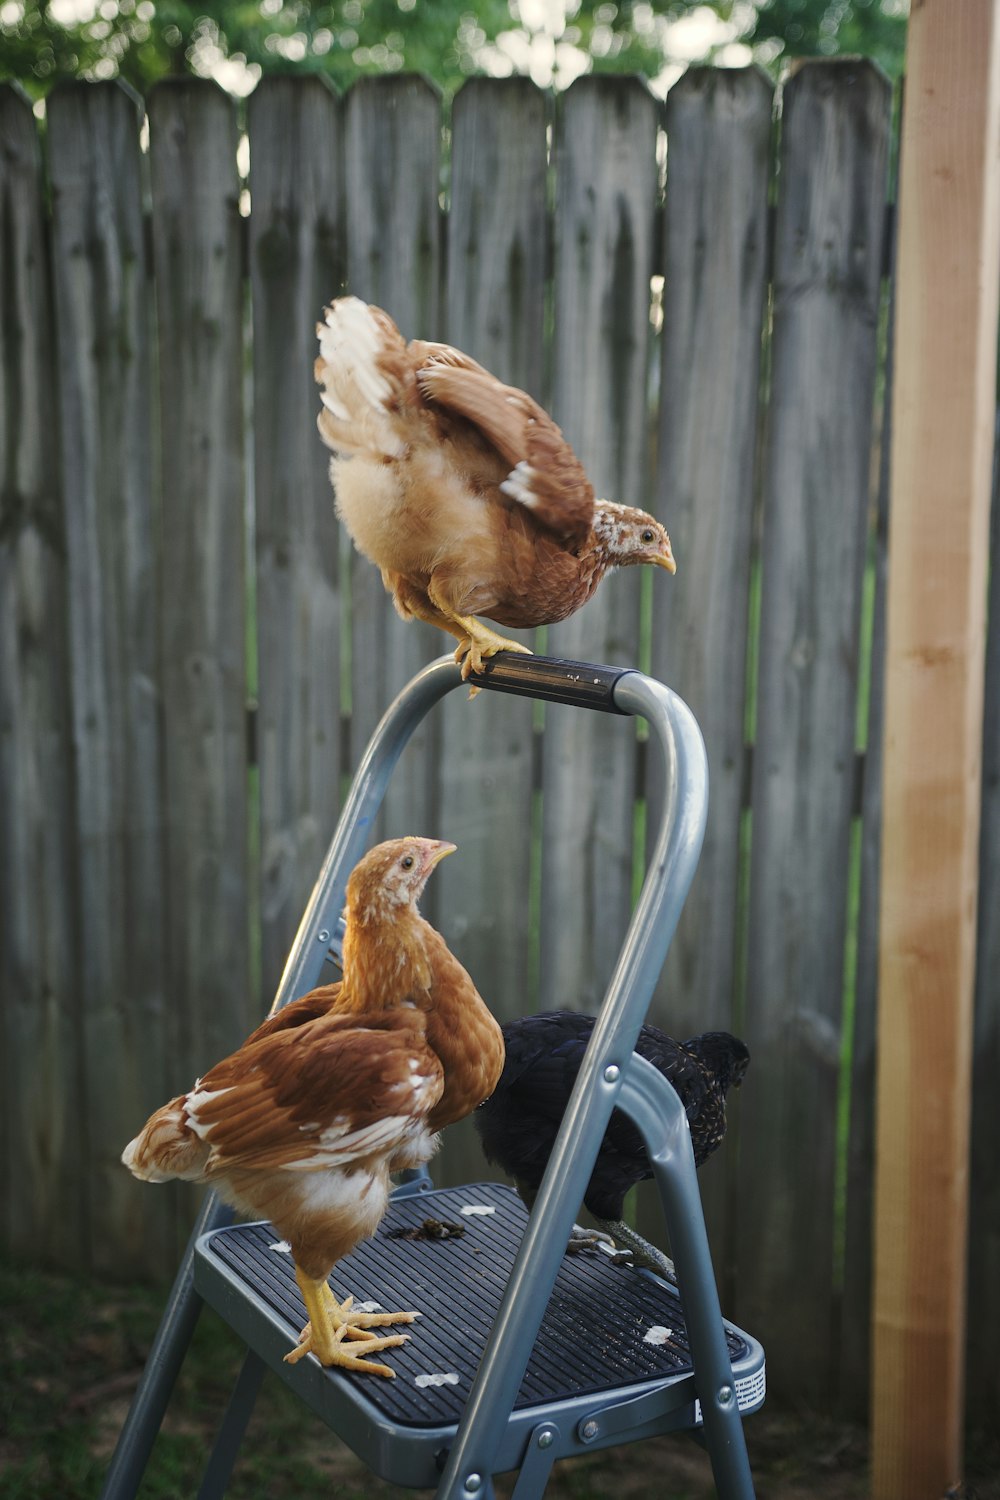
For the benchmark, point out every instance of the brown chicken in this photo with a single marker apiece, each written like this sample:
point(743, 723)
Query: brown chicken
point(304, 1123)
point(461, 489)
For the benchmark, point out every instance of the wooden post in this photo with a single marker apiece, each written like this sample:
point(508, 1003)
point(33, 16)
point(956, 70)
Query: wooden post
point(945, 356)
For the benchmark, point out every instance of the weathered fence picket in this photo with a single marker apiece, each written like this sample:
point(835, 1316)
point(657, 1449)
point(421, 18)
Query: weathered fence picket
point(102, 328)
point(128, 903)
point(197, 248)
point(827, 275)
point(715, 281)
point(495, 312)
point(605, 212)
point(858, 1185)
point(392, 219)
point(296, 182)
point(44, 1150)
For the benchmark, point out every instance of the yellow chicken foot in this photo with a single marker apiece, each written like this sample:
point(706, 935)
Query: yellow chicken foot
point(327, 1341)
point(352, 1325)
point(348, 1358)
point(479, 643)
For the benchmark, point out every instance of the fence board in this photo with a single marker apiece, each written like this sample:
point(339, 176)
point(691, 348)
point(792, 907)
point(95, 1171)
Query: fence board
point(197, 249)
point(102, 351)
point(495, 312)
point(393, 146)
point(295, 266)
point(605, 209)
point(715, 281)
point(828, 257)
point(855, 1327)
point(984, 1198)
point(41, 1166)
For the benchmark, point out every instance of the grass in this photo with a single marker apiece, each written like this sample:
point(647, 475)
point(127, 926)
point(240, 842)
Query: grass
point(71, 1353)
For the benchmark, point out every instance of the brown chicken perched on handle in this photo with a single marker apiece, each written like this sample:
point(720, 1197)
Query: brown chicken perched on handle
point(303, 1124)
point(461, 489)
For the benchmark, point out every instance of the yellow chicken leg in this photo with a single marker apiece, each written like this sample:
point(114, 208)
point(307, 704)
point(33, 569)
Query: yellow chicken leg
point(481, 642)
point(329, 1328)
point(476, 641)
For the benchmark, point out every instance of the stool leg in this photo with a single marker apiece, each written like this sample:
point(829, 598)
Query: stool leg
point(135, 1442)
point(234, 1425)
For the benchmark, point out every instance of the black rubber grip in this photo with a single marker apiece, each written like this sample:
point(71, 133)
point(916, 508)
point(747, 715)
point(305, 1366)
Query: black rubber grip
point(579, 683)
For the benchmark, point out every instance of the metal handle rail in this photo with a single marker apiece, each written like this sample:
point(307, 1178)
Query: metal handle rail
point(609, 1075)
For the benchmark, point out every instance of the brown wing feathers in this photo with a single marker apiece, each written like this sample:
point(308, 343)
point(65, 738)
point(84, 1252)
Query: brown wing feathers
point(547, 477)
point(328, 1091)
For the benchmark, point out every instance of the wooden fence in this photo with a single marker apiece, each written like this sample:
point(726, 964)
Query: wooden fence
point(169, 555)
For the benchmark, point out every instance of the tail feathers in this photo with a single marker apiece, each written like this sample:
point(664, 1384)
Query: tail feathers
point(166, 1147)
point(361, 368)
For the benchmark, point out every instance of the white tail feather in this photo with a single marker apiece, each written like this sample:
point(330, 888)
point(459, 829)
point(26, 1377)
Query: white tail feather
point(166, 1148)
point(145, 1170)
point(356, 394)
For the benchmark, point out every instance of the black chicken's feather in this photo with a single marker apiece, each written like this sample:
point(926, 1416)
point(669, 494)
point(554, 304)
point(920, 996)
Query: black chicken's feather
point(518, 1124)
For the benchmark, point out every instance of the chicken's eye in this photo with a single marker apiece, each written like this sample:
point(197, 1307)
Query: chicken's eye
point(407, 861)
point(647, 535)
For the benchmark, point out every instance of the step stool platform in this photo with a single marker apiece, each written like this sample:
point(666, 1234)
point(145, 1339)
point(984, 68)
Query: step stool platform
point(611, 1334)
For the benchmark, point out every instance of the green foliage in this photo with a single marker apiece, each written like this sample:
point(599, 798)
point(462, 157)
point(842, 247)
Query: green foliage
point(827, 28)
point(42, 41)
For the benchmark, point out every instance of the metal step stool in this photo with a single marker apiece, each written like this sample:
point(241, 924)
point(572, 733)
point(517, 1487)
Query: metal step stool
point(524, 1355)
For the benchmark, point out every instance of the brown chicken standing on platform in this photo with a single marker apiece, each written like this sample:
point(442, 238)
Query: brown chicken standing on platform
point(303, 1124)
point(461, 489)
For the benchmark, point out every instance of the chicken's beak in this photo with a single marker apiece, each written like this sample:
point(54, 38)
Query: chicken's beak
point(435, 850)
point(665, 557)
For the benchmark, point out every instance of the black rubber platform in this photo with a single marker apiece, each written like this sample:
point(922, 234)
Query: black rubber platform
point(606, 1325)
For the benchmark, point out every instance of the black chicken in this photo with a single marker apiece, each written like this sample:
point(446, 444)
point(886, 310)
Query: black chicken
point(518, 1124)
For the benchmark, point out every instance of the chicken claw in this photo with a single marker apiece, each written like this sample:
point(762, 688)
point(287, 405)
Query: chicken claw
point(346, 1359)
point(588, 1239)
point(481, 644)
point(350, 1324)
point(333, 1324)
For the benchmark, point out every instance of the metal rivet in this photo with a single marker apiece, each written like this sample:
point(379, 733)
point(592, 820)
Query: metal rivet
point(612, 1073)
point(725, 1395)
point(473, 1484)
point(322, 936)
point(545, 1440)
point(588, 1430)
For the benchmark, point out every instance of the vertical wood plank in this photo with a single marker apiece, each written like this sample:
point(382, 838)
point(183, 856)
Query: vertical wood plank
point(827, 272)
point(197, 248)
point(43, 1212)
point(295, 267)
point(944, 405)
point(102, 294)
point(715, 281)
point(984, 1190)
point(495, 312)
point(393, 147)
point(855, 1311)
point(605, 214)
